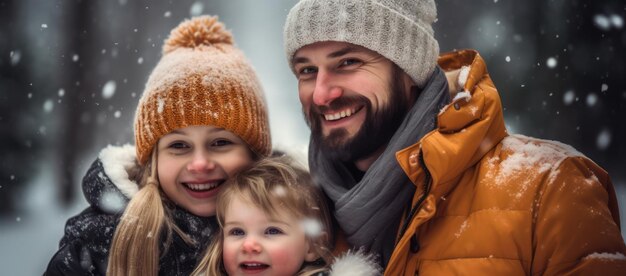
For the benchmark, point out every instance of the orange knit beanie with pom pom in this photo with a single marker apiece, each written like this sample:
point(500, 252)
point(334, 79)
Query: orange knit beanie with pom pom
point(202, 79)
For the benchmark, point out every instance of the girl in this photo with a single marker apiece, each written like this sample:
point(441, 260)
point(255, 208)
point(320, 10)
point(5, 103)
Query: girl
point(201, 119)
point(275, 222)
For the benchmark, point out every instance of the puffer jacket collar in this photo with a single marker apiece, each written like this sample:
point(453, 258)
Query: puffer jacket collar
point(467, 128)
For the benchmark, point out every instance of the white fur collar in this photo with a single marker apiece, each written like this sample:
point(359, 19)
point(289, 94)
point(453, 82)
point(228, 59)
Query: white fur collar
point(355, 263)
point(116, 162)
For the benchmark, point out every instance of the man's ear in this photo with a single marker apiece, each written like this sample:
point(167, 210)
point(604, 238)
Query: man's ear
point(312, 253)
point(410, 87)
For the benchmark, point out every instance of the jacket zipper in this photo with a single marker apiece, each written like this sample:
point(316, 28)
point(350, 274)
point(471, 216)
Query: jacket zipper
point(418, 205)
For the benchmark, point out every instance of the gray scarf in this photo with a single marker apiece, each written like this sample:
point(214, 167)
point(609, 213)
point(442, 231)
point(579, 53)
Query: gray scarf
point(369, 211)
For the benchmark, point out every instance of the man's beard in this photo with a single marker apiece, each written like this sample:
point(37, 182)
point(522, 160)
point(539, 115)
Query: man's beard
point(376, 130)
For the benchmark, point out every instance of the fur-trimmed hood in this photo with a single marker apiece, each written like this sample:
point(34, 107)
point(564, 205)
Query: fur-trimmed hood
point(107, 185)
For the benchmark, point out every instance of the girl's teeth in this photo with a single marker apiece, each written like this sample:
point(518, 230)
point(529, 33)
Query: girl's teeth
point(200, 187)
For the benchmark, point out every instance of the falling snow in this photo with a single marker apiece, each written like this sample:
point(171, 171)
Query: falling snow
point(44, 26)
point(140, 60)
point(75, 58)
point(551, 62)
point(167, 14)
point(196, 9)
point(108, 90)
point(279, 191)
point(507, 58)
point(61, 92)
point(568, 97)
point(602, 22)
point(617, 21)
point(604, 139)
point(112, 202)
point(592, 99)
point(604, 87)
point(117, 114)
point(48, 106)
point(605, 23)
point(15, 57)
point(311, 227)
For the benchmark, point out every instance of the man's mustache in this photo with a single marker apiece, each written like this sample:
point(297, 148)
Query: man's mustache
point(339, 104)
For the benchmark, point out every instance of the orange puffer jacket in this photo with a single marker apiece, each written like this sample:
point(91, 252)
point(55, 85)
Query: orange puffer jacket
point(499, 204)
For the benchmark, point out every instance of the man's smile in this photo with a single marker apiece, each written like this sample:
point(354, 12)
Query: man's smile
point(342, 114)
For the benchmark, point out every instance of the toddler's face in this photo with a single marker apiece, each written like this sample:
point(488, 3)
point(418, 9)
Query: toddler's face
point(193, 163)
point(255, 243)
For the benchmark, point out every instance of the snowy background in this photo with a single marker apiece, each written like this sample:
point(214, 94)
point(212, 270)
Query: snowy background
point(71, 73)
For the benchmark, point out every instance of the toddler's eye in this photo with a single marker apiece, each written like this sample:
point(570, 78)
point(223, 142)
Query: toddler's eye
point(273, 231)
point(236, 232)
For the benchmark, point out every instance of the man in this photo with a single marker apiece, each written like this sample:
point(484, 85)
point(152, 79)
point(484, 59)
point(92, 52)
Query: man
point(412, 150)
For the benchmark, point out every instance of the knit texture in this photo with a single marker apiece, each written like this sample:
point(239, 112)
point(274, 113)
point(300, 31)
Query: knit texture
point(400, 30)
point(202, 79)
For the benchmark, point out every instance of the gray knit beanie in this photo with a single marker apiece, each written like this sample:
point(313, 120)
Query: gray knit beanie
point(400, 30)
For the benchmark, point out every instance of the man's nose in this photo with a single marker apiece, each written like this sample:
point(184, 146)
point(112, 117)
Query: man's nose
point(326, 90)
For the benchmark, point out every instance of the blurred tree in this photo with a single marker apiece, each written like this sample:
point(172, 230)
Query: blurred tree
point(598, 70)
point(77, 127)
point(17, 147)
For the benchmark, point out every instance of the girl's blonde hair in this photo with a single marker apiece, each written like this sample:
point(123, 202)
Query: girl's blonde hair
point(135, 246)
point(273, 184)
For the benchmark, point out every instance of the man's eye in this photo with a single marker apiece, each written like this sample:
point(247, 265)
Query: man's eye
point(307, 71)
point(350, 61)
point(236, 232)
point(273, 231)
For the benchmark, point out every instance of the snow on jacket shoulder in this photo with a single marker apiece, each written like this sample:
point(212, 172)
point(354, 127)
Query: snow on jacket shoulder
point(499, 204)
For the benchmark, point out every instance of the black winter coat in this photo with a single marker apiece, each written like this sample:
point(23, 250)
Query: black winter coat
point(84, 248)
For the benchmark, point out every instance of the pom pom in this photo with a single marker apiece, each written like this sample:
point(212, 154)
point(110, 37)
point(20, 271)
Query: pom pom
point(196, 32)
